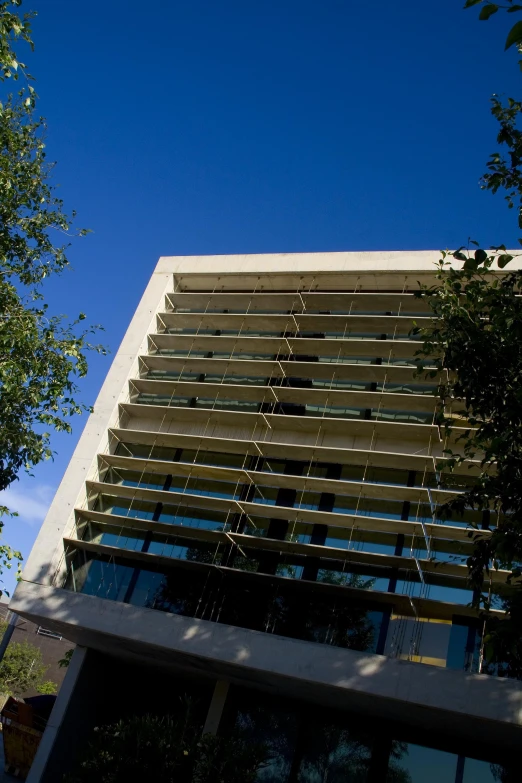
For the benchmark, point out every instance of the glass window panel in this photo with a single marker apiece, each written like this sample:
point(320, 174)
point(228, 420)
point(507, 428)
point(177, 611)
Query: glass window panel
point(352, 579)
point(411, 417)
point(435, 592)
point(346, 359)
point(131, 478)
point(335, 754)
point(377, 475)
point(198, 518)
point(246, 332)
point(178, 352)
point(406, 388)
point(133, 450)
point(308, 500)
point(341, 412)
point(227, 405)
point(133, 541)
point(147, 587)
point(343, 504)
point(372, 507)
point(464, 647)
point(352, 472)
point(165, 453)
point(317, 470)
point(106, 580)
point(376, 507)
point(424, 511)
point(417, 764)
point(256, 526)
point(476, 771)
point(265, 495)
point(423, 640)
point(362, 540)
point(166, 400)
point(205, 487)
point(314, 410)
point(238, 380)
point(340, 383)
point(430, 642)
point(340, 621)
point(226, 460)
point(300, 534)
point(175, 373)
point(270, 465)
point(136, 509)
point(289, 571)
point(240, 355)
point(445, 551)
point(276, 729)
point(246, 562)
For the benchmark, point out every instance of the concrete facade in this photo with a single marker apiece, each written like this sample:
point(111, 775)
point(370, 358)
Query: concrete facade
point(261, 432)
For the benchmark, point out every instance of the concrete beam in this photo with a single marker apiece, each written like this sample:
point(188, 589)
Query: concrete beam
point(469, 705)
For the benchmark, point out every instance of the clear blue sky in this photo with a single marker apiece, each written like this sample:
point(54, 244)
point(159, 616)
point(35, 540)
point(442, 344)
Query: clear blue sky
point(251, 126)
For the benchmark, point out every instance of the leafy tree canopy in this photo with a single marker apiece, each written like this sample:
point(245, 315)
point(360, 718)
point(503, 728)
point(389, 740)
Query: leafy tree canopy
point(475, 350)
point(42, 354)
point(22, 669)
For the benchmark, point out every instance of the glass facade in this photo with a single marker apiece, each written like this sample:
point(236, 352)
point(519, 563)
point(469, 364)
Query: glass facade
point(314, 745)
point(212, 516)
point(285, 601)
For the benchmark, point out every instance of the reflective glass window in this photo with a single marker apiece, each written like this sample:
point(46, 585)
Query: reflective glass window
point(372, 507)
point(334, 753)
point(265, 495)
point(202, 457)
point(270, 465)
point(377, 475)
point(308, 500)
point(409, 417)
point(276, 729)
point(227, 405)
point(476, 771)
point(417, 764)
point(351, 579)
point(362, 540)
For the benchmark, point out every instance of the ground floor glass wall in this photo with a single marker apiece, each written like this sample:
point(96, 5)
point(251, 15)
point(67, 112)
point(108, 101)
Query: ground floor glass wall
point(315, 745)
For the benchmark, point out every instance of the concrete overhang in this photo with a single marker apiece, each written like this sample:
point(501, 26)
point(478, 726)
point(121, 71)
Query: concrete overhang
point(473, 707)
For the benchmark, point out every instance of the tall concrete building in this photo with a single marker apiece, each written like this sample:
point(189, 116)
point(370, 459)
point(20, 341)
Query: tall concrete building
point(252, 514)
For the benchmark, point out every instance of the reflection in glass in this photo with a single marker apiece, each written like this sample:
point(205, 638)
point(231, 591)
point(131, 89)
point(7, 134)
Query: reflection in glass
point(335, 754)
point(476, 771)
point(277, 730)
point(417, 764)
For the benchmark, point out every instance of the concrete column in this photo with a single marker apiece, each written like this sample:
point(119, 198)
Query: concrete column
point(57, 717)
point(215, 711)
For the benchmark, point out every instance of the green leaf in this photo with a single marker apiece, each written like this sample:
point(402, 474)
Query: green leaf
point(504, 260)
point(480, 256)
point(470, 265)
point(459, 256)
point(469, 3)
point(488, 11)
point(515, 35)
point(514, 8)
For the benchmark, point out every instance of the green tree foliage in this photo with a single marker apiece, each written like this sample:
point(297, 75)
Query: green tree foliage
point(64, 662)
point(165, 749)
point(41, 354)
point(474, 347)
point(22, 669)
